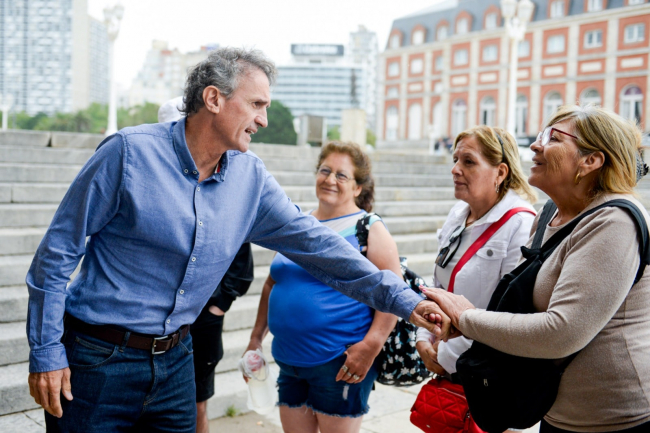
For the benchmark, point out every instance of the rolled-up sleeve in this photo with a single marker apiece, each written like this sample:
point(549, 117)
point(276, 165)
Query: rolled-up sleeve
point(280, 226)
point(90, 203)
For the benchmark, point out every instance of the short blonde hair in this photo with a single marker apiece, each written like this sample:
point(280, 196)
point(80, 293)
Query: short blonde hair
point(619, 139)
point(489, 141)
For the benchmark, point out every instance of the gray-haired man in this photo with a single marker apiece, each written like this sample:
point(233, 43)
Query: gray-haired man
point(166, 207)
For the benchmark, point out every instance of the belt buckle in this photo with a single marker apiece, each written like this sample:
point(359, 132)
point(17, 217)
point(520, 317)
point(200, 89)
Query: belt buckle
point(153, 345)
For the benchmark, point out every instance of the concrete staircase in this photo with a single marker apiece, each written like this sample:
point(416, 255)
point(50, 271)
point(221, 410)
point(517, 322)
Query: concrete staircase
point(414, 194)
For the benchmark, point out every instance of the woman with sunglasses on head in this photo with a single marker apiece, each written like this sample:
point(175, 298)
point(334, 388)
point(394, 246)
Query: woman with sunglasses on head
point(587, 295)
point(494, 195)
point(324, 342)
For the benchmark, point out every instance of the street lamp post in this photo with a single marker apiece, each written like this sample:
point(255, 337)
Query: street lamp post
point(112, 18)
point(517, 14)
point(5, 105)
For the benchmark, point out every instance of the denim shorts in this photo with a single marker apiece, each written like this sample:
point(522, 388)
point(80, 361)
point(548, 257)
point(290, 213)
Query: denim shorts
point(316, 388)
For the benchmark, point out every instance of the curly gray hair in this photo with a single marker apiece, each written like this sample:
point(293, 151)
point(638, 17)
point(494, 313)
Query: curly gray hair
point(222, 69)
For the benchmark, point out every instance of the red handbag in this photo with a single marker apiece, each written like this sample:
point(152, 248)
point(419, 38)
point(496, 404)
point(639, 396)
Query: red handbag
point(441, 407)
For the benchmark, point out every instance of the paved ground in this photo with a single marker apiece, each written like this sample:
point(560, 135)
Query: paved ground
point(389, 413)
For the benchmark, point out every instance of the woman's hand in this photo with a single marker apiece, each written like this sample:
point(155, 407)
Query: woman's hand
point(453, 305)
point(359, 360)
point(429, 355)
point(253, 345)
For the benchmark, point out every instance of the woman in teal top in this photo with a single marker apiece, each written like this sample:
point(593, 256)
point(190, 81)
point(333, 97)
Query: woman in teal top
point(325, 342)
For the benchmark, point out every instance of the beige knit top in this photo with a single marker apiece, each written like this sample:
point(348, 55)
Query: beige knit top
point(585, 302)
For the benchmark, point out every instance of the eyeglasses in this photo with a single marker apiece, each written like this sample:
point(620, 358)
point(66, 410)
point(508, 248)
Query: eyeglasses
point(446, 254)
point(340, 177)
point(545, 135)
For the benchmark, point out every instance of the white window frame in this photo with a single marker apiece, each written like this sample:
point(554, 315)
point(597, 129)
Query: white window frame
point(458, 117)
point(418, 37)
point(438, 63)
point(490, 53)
point(557, 9)
point(488, 109)
point(393, 69)
point(634, 33)
point(591, 96)
point(392, 123)
point(442, 33)
point(553, 44)
point(392, 93)
point(395, 41)
point(595, 5)
point(461, 60)
point(521, 51)
point(635, 2)
point(491, 21)
point(417, 66)
point(593, 39)
point(462, 26)
point(552, 103)
point(631, 106)
point(521, 115)
point(415, 121)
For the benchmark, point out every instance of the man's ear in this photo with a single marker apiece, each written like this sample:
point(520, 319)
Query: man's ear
point(213, 99)
point(593, 162)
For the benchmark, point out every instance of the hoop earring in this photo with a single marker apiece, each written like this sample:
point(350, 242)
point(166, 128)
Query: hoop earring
point(577, 178)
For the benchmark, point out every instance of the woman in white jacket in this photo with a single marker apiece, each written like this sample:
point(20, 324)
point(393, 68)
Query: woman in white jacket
point(489, 181)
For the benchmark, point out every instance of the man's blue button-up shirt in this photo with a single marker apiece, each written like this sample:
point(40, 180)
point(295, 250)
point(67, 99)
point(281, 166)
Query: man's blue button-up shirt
point(155, 242)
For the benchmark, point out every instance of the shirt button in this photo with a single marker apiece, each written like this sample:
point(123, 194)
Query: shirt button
point(169, 321)
point(186, 170)
point(489, 253)
point(194, 259)
point(195, 172)
point(182, 291)
point(200, 223)
point(198, 188)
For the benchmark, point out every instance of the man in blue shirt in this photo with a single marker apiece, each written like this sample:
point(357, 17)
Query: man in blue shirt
point(158, 214)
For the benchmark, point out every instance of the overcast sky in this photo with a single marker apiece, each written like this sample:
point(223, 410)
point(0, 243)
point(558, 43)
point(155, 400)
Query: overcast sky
point(270, 25)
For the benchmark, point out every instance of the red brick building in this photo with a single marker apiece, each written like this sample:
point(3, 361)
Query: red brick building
point(448, 66)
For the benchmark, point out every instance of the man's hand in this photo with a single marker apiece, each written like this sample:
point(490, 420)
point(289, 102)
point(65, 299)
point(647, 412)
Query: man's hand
point(428, 315)
point(46, 388)
point(429, 355)
point(453, 305)
point(216, 310)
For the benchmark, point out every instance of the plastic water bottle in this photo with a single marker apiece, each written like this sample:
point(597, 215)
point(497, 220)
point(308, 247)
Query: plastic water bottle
point(261, 382)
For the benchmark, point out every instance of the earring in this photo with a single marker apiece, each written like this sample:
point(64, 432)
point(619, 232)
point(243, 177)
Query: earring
point(496, 186)
point(577, 178)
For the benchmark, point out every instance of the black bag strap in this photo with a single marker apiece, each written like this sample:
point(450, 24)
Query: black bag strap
point(547, 249)
point(363, 229)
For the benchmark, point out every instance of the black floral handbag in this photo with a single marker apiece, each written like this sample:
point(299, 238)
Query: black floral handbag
point(399, 362)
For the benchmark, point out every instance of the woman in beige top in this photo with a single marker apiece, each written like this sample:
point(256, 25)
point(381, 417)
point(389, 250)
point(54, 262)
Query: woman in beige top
point(584, 292)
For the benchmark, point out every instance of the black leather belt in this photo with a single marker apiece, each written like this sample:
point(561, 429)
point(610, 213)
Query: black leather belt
point(156, 345)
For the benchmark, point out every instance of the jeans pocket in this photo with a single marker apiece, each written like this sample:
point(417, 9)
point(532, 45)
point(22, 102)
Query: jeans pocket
point(186, 344)
point(86, 354)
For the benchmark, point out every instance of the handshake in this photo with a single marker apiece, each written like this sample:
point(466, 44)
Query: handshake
point(440, 313)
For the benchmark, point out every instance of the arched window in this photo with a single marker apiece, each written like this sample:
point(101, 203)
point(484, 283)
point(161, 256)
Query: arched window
point(462, 26)
point(590, 96)
point(491, 21)
point(552, 102)
point(631, 103)
point(488, 109)
point(442, 33)
point(415, 122)
point(418, 37)
point(392, 123)
point(557, 9)
point(437, 117)
point(458, 116)
point(395, 41)
point(521, 115)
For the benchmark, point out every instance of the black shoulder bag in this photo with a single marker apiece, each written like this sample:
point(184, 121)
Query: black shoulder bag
point(399, 363)
point(506, 391)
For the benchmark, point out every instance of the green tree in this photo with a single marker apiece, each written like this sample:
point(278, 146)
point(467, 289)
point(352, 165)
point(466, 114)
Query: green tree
point(25, 121)
point(137, 115)
point(371, 138)
point(333, 133)
point(280, 129)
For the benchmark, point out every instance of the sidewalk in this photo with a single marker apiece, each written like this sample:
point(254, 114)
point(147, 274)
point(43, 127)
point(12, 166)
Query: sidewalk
point(390, 409)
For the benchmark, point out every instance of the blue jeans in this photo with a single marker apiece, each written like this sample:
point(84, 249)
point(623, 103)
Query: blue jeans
point(122, 389)
point(316, 388)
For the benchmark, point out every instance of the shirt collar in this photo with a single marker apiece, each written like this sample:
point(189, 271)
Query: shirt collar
point(186, 162)
point(494, 214)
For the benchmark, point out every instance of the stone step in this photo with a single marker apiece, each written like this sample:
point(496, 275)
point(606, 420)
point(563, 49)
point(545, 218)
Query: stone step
point(401, 208)
point(422, 264)
point(381, 167)
point(45, 155)
point(414, 224)
point(26, 214)
point(13, 269)
point(242, 313)
point(33, 192)
point(21, 172)
point(307, 193)
point(14, 391)
point(31, 421)
point(13, 303)
point(20, 240)
point(307, 179)
point(13, 343)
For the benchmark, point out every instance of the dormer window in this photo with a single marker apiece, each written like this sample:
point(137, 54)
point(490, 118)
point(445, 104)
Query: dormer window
point(395, 41)
point(418, 37)
point(491, 21)
point(462, 26)
point(557, 9)
point(595, 5)
point(442, 33)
